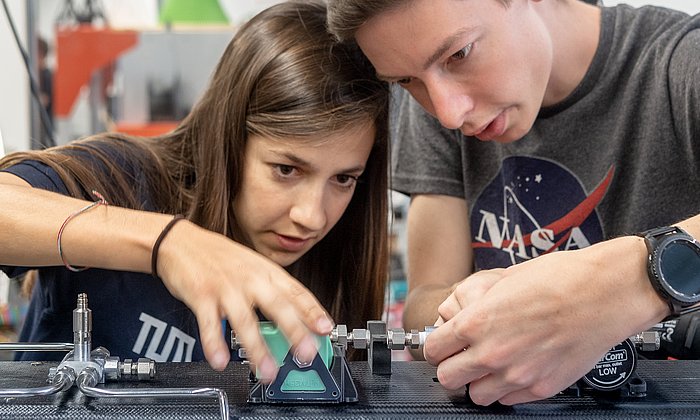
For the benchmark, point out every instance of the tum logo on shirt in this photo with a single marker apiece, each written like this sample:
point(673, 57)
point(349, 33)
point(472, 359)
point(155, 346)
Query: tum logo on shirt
point(176, 337)
point(533, 207)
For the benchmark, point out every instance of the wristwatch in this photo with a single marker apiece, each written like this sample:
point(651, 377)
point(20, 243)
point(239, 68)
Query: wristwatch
point(674, 266)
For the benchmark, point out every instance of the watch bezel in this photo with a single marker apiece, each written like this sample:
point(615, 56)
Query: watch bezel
point(657, 246)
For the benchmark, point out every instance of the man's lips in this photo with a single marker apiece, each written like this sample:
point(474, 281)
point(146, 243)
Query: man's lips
point(490, 130)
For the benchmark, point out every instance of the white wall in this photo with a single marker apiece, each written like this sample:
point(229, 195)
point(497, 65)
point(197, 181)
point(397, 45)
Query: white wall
point(688, 6)
point(14, 84)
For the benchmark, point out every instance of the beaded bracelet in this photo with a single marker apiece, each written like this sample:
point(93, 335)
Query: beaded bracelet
point(156, 246)
point(101, 200)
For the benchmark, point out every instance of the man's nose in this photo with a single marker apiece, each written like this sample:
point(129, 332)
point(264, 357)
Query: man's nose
point(450, 102)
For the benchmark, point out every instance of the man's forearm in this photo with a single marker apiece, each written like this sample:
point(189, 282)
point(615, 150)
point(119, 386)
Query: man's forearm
point(421, 309)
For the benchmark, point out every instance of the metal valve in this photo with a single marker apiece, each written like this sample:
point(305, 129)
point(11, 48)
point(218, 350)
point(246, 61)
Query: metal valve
point(396, 338)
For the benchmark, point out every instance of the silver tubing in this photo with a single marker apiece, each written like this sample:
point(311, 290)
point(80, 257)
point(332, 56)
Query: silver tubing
point(36, 346)
point(88, 379)
point(61, 382)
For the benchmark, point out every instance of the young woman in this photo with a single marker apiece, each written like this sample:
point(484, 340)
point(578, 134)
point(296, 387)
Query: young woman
point(282, 163)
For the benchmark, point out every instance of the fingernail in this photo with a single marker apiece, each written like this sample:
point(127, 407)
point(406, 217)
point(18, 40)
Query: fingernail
point(268, 370)
point(324, 325)
point(219, 361)
point(306, 350)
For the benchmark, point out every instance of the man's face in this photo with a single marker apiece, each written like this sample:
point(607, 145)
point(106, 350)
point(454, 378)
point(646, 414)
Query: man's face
point(476, 65)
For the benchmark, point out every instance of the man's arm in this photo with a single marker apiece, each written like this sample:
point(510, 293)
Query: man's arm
point(439, 256)
point(535, 328)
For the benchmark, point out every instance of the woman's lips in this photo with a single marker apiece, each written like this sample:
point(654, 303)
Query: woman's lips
point(290, 243)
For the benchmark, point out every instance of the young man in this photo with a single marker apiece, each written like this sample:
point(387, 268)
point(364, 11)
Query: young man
point(535, 126)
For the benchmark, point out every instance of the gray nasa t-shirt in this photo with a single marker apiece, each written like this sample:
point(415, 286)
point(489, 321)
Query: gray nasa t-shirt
point(620, 155)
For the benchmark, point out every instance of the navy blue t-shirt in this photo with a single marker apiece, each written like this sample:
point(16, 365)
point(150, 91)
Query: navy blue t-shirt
point(134, 315)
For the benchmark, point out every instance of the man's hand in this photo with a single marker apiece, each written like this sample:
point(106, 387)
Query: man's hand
point(529, 331)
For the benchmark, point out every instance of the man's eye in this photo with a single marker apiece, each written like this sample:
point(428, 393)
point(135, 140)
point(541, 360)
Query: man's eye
point(404, 81)
point(285, 169)
point(463, 52)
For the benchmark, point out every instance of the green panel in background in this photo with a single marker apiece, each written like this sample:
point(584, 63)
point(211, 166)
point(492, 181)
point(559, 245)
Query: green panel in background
point(194, 12)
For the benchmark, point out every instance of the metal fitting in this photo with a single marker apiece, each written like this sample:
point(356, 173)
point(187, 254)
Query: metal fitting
point(359, 338)
point(647, 340)
point(126, 367)
point(413, 339)
point(145, 369)
point(82, 329)
point(112, 368)
point(340, 335)
point(396, 339)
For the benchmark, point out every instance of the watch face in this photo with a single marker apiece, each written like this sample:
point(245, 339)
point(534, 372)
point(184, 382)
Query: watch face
point(679, 264)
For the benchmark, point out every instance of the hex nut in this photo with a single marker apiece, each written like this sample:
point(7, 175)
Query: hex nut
point(415, 339)
point(146, 369)
point(359, 338)
point(341, 332)
point(126, 367)
point(651, 341)
point(112, 369)
point(396, 339)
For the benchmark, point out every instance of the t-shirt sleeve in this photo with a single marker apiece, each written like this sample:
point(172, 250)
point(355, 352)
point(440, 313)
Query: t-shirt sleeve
point(426, 158)
point(684, 83)
point(38, 175)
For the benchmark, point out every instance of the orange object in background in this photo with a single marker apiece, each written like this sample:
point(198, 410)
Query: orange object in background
point(150, 129)
point(80, 52)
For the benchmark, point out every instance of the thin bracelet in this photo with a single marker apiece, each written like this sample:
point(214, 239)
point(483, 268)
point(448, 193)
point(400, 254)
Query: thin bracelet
point(68, 219)
point(156, 246)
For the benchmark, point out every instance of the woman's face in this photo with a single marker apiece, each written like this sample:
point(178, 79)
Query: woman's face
point(295, 190)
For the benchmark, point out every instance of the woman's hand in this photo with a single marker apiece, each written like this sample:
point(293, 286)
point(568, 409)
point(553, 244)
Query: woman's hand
point(218, 278)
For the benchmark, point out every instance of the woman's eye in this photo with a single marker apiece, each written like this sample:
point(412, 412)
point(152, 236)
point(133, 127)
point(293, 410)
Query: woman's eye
point(346, 180)
point(462, 53)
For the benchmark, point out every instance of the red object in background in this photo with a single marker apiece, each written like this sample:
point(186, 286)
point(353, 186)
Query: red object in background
point(80, 52)
point(150, 129)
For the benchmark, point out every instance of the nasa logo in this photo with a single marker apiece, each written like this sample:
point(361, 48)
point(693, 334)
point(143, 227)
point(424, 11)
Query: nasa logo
point(533, 207)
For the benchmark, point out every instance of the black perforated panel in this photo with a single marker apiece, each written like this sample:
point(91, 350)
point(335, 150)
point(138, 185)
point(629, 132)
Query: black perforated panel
point(410, 392)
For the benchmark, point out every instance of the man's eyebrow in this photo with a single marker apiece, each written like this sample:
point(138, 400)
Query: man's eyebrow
point(444, 47)
point(439, 52)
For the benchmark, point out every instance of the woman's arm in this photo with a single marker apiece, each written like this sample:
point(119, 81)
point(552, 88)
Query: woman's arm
point(214, 276)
